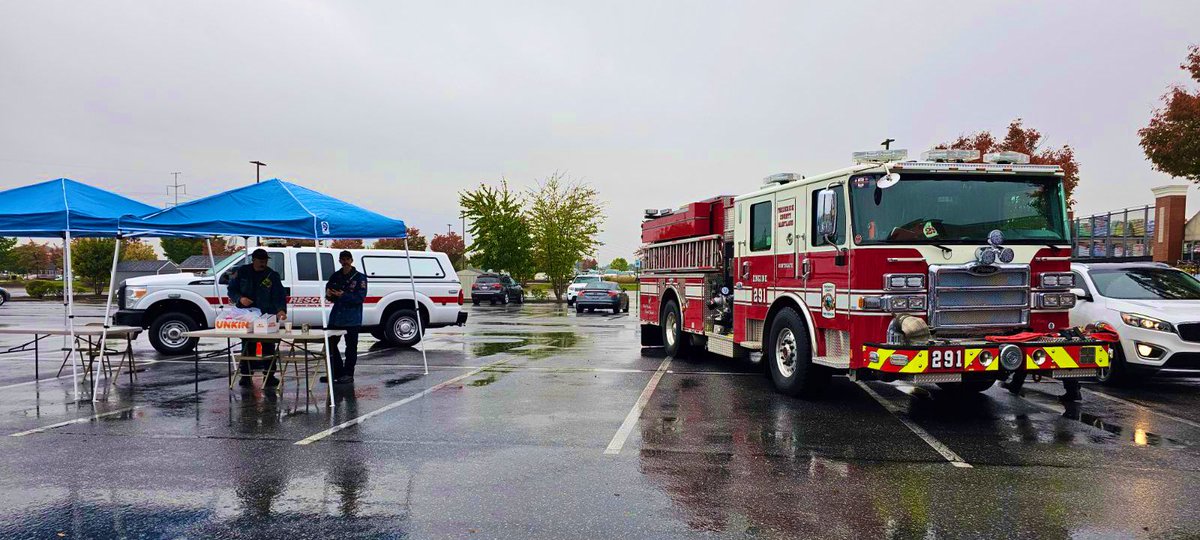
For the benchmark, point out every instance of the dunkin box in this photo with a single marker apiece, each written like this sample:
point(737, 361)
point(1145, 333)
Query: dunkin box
point(267, 324)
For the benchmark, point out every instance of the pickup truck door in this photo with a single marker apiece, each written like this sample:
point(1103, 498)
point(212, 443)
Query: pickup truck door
point(307, 288)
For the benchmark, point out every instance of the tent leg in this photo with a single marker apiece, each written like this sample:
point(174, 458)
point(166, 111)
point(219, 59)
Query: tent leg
point(324, 320)
point(68, 304)
point(112, 283)
point(416, 304)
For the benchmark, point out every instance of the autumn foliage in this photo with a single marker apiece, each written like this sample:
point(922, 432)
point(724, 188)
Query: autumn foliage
point(416, 241)
point(1028, 141)
point(1172, 139)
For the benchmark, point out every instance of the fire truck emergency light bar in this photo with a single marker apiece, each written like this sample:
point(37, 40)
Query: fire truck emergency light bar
point(950, 155)
point(880, 156)
point(1007, 157)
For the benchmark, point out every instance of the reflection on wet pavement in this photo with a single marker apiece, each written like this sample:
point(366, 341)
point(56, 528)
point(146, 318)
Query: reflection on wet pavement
point(511, 445)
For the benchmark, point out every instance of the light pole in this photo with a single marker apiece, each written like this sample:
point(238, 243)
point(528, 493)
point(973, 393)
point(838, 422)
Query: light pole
point(258, 165)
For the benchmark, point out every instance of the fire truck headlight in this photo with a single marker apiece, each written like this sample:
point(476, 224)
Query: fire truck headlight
point(914, 282)
point(893, 282)
point(899, 303)
point(1011, 357)
point(1007, 255)
point(985, 358)
point(897, 282)
point(916, 302)
point(1039, 357)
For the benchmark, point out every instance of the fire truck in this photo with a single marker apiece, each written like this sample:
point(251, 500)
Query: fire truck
point(950, 269)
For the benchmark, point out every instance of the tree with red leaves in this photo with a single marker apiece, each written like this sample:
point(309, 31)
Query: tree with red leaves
point(1172, 139)
point(355, 243)
point(588, 264)
point(452, 245)
point(416, 241)
point(1026, 141)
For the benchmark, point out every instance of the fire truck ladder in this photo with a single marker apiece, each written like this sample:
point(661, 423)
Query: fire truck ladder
point(700, 254)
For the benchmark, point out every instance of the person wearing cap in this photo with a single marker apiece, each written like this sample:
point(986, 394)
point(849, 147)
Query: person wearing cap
point(256, 285)
point(347, 288)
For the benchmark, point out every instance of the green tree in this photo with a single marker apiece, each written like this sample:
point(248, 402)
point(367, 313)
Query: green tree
point(6, 253)
point(564, 221)
point(91, 261)
point(619, 264)
point(178, 249)
point(1172, 139)
point(500, 232)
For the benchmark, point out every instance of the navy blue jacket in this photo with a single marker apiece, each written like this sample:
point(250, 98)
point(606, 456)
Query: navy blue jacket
point(347, 308)
point(264, 288)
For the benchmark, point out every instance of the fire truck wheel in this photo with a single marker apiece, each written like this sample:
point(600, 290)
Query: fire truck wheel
point(1117, 373)
point(674, 341)
point(966, 387)
point(789, 354)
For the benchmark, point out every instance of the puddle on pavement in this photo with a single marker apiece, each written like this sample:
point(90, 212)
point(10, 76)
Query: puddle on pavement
point(533, 345)
point(1140, 437)
point(402, 379)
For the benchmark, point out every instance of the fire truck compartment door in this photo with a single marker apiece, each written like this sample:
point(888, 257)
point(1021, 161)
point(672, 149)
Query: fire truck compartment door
point(787, 238)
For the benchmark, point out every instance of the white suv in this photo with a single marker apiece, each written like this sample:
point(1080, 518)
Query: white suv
point(578, 284)
point(1154, 308)
point(171, 304)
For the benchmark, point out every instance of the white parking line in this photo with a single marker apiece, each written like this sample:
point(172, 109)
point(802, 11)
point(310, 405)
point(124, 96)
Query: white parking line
point(631, 419)
point(355, 421)
point(83, 420)
point(1144, 408)
point(932, 441)
point(27, 383)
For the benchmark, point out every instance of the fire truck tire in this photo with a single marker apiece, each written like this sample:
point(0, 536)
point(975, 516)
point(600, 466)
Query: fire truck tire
point(1118, 372)
point(675, 342)
point(788, 353)
point(966, 387)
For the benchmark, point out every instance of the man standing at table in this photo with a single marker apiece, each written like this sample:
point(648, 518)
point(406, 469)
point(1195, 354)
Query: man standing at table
point(256, 285)
point(347, 288)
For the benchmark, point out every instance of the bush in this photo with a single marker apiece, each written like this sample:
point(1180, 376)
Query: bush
point(539, 293)
point(623, 278)
point(44, 289)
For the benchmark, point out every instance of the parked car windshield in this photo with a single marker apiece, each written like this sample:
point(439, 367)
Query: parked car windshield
point(606, 285)
point(921, 209)
point(586, 279)
point(1146, 284)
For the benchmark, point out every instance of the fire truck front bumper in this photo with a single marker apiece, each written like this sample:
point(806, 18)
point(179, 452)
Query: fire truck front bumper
point(984, 360)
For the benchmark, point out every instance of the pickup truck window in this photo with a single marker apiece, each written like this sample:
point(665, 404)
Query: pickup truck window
point(382, 266)
point(306, 266)
point(275, 263)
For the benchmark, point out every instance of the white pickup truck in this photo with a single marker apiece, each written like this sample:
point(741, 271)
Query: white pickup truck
point(169, 305)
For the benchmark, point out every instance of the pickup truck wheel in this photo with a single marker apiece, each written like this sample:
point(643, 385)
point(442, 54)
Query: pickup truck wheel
point(401, 328)
point(378, 334)
point(166, 334)
point(788, 353)
point(675, 342)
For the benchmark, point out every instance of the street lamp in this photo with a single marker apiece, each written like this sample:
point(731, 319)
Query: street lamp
point(258, 165)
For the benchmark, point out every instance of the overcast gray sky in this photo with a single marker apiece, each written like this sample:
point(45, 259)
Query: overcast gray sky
point(398, 106)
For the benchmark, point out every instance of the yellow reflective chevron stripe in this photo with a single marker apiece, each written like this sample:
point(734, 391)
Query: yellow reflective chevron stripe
point(884, 354)
point(1061, 357)
point(972, 354)
point(918, 363)
point(1102, 356)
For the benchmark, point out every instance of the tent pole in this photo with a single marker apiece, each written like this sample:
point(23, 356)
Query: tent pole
point(212, 262)
point(112, 284)
point(416, 303)
point(324, 319)
point(68, 304)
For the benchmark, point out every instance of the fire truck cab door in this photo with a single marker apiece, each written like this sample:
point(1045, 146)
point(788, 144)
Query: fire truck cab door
point(756, 246)
point(828, 280)
point(787, 238)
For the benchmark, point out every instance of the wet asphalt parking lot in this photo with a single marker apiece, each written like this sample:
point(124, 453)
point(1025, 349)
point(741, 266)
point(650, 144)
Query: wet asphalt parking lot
point(537, 423)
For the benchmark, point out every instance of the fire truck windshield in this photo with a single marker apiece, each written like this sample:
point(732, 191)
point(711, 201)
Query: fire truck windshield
point(945, 209)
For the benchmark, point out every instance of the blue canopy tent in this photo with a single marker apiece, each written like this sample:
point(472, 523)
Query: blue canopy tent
point(276, 209)
point(64, 208)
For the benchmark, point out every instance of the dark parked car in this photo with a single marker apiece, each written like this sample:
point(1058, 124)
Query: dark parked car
point(602, 295)
point(4, 296)
point(494, 288)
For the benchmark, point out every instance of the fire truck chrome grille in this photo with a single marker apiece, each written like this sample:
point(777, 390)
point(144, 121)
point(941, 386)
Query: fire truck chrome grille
point(1074, 373)
point(961, 297)
point(937, 377)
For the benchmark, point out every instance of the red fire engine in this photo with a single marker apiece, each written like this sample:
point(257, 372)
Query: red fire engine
point(949, 270)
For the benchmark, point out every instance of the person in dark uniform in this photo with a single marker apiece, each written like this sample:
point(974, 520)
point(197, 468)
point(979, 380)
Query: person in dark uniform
point(347, 288)
point(256, 285)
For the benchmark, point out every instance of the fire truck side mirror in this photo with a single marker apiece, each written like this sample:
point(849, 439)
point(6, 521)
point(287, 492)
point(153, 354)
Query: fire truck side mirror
point(827, 213)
